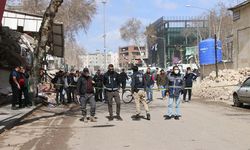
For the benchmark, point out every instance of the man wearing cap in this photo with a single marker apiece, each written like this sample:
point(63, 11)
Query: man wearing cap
point(112, 83)
point(86, 91)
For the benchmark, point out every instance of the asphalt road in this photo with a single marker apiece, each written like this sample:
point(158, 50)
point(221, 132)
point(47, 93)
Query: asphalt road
point(202, 127)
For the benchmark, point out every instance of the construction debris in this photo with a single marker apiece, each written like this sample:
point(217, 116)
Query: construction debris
point(221, 88)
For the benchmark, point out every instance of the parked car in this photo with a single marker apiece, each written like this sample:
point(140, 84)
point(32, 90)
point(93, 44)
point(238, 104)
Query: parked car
point(242, 94)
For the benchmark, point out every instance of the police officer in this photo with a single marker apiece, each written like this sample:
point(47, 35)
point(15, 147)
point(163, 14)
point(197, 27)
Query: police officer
point(174, 90)
point(112, 84)
point(138, 87)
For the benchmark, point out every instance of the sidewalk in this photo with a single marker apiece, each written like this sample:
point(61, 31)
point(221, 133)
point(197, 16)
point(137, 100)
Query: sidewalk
point(9, 118)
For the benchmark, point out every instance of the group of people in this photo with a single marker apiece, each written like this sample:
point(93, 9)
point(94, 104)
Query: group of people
point(105, 87)
point(173, 85)
point(19, 81)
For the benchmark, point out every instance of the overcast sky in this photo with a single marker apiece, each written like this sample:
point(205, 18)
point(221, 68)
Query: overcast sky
point(118, 11)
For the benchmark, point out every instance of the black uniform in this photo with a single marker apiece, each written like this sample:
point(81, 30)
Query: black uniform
point(188, 79)
point(112, 83)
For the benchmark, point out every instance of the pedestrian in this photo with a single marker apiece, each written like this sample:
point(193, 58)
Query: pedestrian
point(15, 87)
point(71, 86)
point(98, 79)
point(58, 81)
point(149, 81)
point(188, 78)
point(24, 87)
point(85, 89)
point(76, 77)
point(156, 77)
point(112, 84)
point(174, 90)
point(162, 78)
point(124, 78)
point(138, 89)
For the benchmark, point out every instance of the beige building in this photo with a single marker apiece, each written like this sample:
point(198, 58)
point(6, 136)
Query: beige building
point(241, 35)
point(130, 55)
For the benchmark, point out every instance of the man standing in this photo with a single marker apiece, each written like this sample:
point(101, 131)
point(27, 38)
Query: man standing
point(162, 78)
point(112, 84)
point(124, 78)
point(98, 78)
point(138, 90)
point(85, 89)
point(174, 90)
point(188, 78)
point(15, 87)
point(149, 83)
point(24, 87)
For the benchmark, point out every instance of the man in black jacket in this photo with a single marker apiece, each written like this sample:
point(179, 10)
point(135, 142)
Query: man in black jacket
point(188, 78)
point(112, 84)
point(138, 88)
point(98, 78)
point(85, 89)
point(124, 78)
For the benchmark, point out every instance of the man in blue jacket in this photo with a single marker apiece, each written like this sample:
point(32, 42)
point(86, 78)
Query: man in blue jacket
point(174, 90)
point(138, 88)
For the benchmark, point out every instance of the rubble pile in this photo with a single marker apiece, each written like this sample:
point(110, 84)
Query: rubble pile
point(47, 91)
point(221, 88)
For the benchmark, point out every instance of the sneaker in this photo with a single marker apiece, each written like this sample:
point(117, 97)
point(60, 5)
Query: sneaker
point(167, 117)
point(148, 116)
point(136, 117)
point(177, 117)
point(92, 119)
point(119, 118)
point(84, 119)
point(111, 118)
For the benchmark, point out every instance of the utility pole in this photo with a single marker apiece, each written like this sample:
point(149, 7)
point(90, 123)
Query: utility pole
point(104, 33)
point(215, 52)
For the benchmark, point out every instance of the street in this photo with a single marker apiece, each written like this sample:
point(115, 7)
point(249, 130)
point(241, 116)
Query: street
point(203, 126)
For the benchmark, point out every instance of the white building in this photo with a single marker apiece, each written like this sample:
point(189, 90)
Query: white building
point(95, 61)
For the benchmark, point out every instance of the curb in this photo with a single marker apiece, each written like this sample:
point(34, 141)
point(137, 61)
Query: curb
point(15, 122)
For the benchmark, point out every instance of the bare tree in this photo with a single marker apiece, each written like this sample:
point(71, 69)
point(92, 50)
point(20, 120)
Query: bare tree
point(133, 31)
point(45, 31)
point(151, 33)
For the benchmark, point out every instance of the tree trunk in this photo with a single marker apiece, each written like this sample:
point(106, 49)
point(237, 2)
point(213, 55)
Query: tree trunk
point(45, 30)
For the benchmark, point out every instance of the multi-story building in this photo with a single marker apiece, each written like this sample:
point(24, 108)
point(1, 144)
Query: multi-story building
point(99, 60)
point(131, 55)
point(241, 35)
point(173, 36)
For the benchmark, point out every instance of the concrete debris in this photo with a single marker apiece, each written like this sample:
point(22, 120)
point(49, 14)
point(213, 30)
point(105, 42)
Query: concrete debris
point(221, 88)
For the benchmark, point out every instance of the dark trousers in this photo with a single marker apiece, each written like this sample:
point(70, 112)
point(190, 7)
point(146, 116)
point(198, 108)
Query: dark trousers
point(116, 96)
point(25, 92)
point(15, 96)
point(98, 94)
point(123, 85)
point(59, 93)
point(88, 98)
point(189, 92)
point(70, 94)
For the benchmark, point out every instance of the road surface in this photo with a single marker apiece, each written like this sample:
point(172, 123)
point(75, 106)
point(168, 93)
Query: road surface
point(202, 127)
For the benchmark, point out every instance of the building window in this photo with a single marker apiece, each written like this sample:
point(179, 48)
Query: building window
point(236, 15)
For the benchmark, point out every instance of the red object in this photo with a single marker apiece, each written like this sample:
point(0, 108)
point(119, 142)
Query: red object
point(2, 6)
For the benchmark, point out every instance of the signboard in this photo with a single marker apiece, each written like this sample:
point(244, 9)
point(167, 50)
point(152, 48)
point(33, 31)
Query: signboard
point(191, 50)
point(2, 6)
point(57, 40)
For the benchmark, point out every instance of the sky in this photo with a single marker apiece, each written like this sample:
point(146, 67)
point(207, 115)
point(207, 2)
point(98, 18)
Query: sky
point(147, 11)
